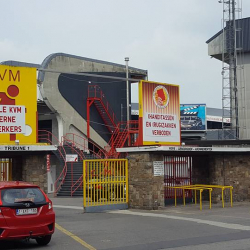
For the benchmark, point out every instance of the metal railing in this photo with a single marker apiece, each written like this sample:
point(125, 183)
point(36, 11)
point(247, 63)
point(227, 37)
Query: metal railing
point(222, 191)
point(94, 91)
point(49, 137)
point(105, 182)
point(83, 144)
point(201, 188)
point(183, 188)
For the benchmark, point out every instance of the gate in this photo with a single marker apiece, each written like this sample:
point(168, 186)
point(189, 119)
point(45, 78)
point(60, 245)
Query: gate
point(105, 184)
point(5, 169)
point(177, 172)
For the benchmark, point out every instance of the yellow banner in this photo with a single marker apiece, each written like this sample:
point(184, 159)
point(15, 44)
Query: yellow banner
point(18, 105)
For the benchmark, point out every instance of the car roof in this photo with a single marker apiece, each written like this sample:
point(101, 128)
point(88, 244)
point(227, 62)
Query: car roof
point(16, 184)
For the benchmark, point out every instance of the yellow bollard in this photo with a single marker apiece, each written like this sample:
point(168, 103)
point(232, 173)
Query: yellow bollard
point(231, 196)
point(222, 197)
point(201, 199)
point(210, 198)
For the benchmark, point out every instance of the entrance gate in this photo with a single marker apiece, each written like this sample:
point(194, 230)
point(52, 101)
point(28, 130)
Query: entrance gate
point(5, 169)
point(105, 184)
point(177, 172)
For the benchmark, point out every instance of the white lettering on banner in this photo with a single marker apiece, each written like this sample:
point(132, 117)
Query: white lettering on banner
point(12, 119)
point(161, 127)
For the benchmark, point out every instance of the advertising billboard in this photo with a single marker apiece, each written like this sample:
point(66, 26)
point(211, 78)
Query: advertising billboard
point(193, 117)
point(18, 105)
point(159, 113)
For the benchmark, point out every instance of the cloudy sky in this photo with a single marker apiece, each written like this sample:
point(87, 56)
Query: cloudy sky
point(166, 37)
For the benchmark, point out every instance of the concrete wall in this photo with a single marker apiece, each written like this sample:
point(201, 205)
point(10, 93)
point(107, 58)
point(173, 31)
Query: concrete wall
point(243, 84)
point(66, 114)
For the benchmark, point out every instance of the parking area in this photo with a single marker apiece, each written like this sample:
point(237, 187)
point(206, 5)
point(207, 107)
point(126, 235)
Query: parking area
point(168, 228)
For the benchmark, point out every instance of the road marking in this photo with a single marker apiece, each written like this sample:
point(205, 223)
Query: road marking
point(207, 222)
point(76, 238)
point(70, 207)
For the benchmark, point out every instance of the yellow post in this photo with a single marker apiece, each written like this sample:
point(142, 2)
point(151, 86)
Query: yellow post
point(201, 199)
point(231, 196)
point(184, 201)
point(175, 201)
point(222, 197)
point(127, 187)
point(195, 198)
point(84, 185)
point(210, 198)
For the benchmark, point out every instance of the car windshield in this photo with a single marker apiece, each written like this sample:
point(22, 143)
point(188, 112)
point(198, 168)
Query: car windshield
point(18, 195)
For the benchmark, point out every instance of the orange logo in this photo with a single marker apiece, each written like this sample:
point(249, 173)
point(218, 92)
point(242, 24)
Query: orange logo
point(161, 97)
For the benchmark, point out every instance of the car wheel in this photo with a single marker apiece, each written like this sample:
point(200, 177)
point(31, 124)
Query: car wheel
point(43, 241)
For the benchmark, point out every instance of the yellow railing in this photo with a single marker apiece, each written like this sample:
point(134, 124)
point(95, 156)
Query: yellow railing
point(222, 191)
point(105, 182)
point(201, 187)
point(183, 188)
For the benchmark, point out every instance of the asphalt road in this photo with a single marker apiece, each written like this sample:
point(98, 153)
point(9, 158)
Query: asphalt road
point(181, 228)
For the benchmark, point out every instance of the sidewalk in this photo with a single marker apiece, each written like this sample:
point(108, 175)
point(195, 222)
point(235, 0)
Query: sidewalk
point(67, 201)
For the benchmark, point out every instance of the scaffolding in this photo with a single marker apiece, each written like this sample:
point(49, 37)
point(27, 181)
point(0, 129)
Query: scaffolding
point(231, 46)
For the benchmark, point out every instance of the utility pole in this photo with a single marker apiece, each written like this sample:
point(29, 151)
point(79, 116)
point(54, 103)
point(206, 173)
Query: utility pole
point(127, 88)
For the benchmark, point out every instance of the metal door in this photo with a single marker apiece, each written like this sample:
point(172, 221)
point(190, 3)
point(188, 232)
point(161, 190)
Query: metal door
point(177, 172)
point(5, 169)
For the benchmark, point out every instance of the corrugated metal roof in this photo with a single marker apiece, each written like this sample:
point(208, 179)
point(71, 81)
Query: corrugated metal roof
point(243, 38)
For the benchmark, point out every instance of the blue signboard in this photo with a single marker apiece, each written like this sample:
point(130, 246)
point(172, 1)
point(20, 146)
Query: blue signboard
point(193, 117)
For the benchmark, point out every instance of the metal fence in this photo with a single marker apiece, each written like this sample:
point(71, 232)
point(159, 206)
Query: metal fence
point(105, 184)
point(5, 169)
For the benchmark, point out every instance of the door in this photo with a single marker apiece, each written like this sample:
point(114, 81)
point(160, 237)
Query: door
point(5, 169)
point(177, 172)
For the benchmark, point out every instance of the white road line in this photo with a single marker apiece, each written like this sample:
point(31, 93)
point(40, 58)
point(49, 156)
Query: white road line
point(207, 222)
point(70, 207)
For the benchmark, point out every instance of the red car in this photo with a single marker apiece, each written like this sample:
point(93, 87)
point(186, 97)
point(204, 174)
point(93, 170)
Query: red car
point(25, 212)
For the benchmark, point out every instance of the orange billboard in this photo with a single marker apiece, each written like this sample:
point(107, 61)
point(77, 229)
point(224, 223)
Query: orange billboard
point(18, 105)
point(159, 113)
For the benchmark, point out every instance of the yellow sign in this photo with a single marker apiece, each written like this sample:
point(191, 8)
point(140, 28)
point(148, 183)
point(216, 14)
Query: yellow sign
point(18, 105)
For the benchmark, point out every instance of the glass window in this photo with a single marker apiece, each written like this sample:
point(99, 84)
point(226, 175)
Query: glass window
point(18, 195)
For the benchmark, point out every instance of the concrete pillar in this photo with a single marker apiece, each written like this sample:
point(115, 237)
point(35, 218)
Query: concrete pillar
point(146, 191)
point(35, 171)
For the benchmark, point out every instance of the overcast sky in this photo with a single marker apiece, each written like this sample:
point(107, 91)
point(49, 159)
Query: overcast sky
point(166, 37)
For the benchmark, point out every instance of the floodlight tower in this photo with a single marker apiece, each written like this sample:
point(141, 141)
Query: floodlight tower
point(230, 108)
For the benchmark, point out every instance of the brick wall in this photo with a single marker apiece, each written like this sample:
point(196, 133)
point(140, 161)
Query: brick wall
point(146, 191)
point(34, 170)
point(232, 170)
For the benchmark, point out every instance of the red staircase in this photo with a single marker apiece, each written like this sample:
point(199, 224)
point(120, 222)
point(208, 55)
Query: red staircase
point(97, 97)
point(125, 134)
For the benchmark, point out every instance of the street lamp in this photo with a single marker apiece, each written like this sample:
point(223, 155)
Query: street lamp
point(127, 88)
